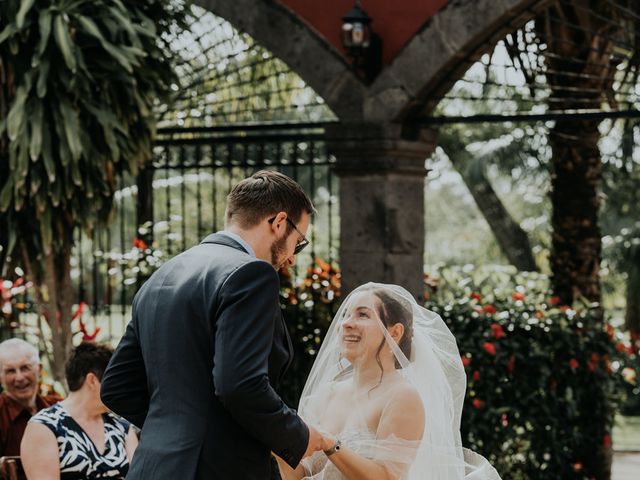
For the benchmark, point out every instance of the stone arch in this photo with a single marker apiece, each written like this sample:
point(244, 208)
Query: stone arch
point(290, 39)
point(437, 56)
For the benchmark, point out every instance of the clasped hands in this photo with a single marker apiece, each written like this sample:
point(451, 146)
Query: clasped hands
point(319, 441)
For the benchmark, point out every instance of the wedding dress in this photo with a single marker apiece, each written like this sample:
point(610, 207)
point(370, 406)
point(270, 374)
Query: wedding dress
point(361, 441)
point(367, 418)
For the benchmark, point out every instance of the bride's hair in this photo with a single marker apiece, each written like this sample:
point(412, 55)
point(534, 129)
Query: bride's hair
point(391, 311)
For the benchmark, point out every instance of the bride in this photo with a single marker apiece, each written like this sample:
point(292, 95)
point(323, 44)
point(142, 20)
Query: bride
point(387, 390)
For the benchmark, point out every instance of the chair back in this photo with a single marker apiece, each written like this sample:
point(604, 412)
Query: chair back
point(11, 469)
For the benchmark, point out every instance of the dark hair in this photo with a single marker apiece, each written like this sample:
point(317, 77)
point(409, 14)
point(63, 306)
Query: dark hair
point(86, 358)
point(392, 311)
point(263, 194)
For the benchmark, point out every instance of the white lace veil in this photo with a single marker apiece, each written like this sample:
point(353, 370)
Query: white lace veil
point(340, 399)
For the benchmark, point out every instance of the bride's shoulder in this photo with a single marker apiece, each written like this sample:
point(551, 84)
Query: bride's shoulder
point(406, 396)
point(404, 414)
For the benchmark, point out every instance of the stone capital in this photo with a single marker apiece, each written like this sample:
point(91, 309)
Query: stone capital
point(369, 148)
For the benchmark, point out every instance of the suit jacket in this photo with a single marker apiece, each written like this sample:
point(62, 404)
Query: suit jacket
point(196, 368)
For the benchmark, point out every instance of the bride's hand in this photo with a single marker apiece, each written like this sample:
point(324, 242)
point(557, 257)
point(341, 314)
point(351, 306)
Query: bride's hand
point(328, 441)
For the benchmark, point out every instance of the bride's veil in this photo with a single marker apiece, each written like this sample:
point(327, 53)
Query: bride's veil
point(428, 361)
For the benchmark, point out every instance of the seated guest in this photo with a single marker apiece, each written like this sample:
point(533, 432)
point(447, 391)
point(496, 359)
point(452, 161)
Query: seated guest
point(20, 370)
point(78, 437)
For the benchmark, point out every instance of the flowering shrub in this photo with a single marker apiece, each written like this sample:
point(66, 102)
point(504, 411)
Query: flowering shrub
point(544, 380)
point(308, 307)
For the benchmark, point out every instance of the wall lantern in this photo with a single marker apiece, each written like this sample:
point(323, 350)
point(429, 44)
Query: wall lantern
point(361, 43)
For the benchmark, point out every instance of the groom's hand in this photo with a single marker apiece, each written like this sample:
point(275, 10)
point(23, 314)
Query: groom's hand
point(315, 441)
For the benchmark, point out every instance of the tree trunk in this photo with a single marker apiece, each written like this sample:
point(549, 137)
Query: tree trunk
point(576, 238)
point(512, 239)
point(581, 70)
point(51, 275)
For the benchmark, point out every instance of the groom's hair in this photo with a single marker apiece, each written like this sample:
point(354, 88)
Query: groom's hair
point(263, 194)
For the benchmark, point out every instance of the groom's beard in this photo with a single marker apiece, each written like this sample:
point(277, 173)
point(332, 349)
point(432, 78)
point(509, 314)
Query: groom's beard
point(278, 251)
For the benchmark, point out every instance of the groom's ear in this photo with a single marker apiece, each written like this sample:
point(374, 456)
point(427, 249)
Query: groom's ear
point(279, 223)
point(396, 332)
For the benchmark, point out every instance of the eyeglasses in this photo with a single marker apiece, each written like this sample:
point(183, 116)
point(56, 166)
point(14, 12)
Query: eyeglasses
point(302, 243)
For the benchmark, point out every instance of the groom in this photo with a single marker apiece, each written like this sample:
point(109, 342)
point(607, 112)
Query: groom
point(197, 363)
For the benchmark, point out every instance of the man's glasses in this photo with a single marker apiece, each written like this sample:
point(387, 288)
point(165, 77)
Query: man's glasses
point(302, 243)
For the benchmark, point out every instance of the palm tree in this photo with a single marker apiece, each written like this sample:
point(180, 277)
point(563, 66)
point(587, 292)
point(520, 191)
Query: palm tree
point(78, 83)
point(581, 61)
point(581, 67)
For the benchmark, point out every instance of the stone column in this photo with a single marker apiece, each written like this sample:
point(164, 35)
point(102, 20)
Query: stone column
point(381, 204)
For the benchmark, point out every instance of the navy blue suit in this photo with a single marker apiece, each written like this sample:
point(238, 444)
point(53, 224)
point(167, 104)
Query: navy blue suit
point(196, 368)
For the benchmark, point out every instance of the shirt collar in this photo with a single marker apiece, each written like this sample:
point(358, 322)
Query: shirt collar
point(240, 240)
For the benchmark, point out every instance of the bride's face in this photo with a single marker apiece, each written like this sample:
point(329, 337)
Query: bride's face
point(360, 331)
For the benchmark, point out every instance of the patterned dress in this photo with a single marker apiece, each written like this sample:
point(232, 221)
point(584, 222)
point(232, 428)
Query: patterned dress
point(79, 457)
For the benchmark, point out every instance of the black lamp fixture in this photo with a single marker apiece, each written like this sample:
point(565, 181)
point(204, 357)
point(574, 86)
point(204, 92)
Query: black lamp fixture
point(362, 44)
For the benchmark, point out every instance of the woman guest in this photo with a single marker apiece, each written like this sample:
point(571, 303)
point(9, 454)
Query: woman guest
point(78, 438)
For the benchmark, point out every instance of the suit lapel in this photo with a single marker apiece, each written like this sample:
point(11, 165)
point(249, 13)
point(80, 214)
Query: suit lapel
point(289, 344)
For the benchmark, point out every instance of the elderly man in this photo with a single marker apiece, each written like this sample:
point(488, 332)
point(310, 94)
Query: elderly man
point(19, 374)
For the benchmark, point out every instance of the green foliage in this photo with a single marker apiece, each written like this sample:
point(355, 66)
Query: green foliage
point(544, 380)
point(81, 80)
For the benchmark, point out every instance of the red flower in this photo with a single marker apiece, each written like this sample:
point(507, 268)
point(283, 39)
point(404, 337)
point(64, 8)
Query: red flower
point(610, 331)
point(478, 404)
point(573, 363)
point(475, 296)
point(78, 313)
point(490, 309)
point(577, 466)
point(293, 298)
point(497, 331)
point(607, 367)
point(564, 308)
point(517, 296)
point(90, 337)
point(554, 300)
point(622, 347)
point(324, 266)
point(539, 314)
point(86, 336)
point(466, 361)
point(140, 244)
point(511, 365)
point(476, 376)
point(490, 348)
point(606, 440)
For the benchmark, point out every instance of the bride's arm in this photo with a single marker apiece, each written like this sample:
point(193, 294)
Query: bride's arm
point(402, 418)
